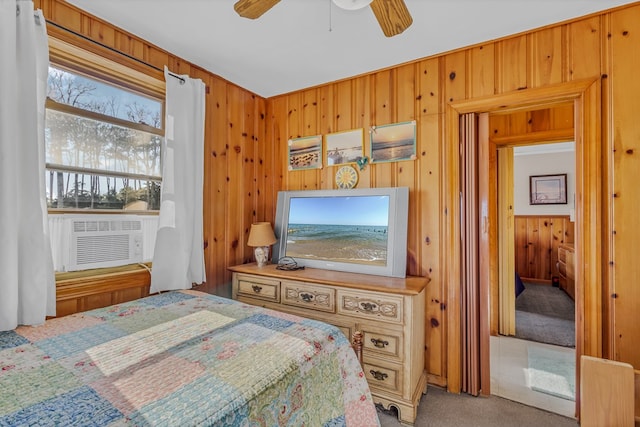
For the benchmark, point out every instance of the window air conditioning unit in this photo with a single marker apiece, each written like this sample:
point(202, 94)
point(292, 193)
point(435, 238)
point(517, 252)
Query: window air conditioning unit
point(104, 241)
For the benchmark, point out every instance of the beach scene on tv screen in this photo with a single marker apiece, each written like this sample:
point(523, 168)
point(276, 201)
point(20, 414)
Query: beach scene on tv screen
point(351, 229)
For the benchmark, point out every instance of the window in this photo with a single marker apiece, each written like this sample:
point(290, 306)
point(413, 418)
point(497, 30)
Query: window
point(103, 143)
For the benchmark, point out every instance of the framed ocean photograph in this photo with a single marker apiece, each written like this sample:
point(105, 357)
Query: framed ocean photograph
point(305, 153)
point(344, 147)
point(394, 142)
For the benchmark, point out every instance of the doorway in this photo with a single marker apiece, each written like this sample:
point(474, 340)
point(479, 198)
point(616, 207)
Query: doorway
point(533, 356)
point(585, 97)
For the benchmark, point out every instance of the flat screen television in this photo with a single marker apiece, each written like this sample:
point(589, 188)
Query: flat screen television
point(357, 230)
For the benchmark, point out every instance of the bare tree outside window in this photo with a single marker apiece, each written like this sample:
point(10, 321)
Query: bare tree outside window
point(102, 145)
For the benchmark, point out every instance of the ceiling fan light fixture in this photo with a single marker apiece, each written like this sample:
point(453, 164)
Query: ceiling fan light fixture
point(352, 4)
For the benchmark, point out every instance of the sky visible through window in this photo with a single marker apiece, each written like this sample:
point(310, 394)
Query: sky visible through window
point(74, 89)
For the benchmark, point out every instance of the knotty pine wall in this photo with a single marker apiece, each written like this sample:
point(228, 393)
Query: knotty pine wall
point(598, 46)
point(537, 239)
point(246, 137)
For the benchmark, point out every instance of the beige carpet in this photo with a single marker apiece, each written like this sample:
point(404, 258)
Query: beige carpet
point(441, 409)
point(545, 314)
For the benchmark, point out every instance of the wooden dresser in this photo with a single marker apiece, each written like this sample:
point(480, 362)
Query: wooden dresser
point(566, 268)
point(388, 311)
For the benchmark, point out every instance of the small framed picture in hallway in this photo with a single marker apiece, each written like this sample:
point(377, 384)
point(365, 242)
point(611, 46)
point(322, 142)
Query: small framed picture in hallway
point(548, 189)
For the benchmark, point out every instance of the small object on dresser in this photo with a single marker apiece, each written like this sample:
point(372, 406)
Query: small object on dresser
point(288, 264)
point(261, 236)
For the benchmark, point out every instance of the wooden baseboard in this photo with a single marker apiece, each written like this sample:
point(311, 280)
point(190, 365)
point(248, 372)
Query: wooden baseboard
point(536, 281)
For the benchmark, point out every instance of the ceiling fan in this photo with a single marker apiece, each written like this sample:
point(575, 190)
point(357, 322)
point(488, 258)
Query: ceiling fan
point(392, 15)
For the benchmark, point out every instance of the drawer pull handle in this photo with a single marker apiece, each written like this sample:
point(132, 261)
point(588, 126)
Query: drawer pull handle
point(379, 343)
point(368, 306)
point(306, 297)
point(256, 288)
point(380, 376)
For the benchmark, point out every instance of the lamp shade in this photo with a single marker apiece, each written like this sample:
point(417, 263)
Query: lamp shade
point(261, 234)
point(352, 4)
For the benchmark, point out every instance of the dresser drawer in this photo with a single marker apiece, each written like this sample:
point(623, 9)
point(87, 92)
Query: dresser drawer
point(384, 378)
point(372, 306)
point(562, 269)
point(382, 343)
point(562, 255)
point(260, 288)
point(315, 297)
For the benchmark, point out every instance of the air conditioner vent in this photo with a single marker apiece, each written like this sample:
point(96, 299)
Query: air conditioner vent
point(94, 249)
point(104, 242)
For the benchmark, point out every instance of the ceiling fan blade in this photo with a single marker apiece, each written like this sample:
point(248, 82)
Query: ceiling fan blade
point(392, 15)
point(253, 9)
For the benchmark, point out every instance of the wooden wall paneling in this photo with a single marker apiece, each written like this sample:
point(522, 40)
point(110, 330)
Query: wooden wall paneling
point(407, 171)
point(561, 117)
point(343, 115)
point(100, 32)
point(521, 246)
point(67, 15)
point(547, 58)
point(454, 78)
point(428, 186)
point(625, 87)
point(544, 268)
point(511, 68)
point(310, 117)
point(584, 38)
point(328, 107)
point(608, 146)
point(430, 194)
point(249, 187)
point(537, 240)
point(361, 100)
point(275, 149)
point(533, 245)
point(538, 120)
point(237, 221)
point(265, 200)
point(482, 62)
point(383, 101)
point(216, 178)
point(129, 45)
point(294, 179)
point(519, 123)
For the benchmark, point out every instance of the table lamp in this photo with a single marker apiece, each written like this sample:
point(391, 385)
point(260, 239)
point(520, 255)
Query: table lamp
point(261, 237)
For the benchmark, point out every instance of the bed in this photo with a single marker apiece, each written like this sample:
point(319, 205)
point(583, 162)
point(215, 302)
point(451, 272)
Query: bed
point(178, 359)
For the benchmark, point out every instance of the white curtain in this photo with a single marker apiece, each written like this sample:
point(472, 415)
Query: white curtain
point(27, 282)
point(178, 257)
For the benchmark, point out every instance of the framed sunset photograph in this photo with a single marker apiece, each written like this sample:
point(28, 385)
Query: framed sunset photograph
point(394, 142)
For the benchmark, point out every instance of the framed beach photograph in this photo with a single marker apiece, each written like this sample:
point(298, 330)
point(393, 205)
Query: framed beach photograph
point(344, 147)
point(548, 189)
point(305, 153)
point(394, 142)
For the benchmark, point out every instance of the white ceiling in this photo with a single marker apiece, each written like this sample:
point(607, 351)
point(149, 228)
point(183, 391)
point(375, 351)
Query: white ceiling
point(304, 43)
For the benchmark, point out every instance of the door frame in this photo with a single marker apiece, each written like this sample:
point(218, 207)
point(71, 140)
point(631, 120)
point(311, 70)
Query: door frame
point(586, 97)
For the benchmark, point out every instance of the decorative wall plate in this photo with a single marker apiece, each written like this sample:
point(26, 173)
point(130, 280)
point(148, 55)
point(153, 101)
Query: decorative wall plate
point(346, 177)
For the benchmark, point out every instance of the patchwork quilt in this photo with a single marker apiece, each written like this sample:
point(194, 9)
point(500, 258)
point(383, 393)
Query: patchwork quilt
point(181, 358)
